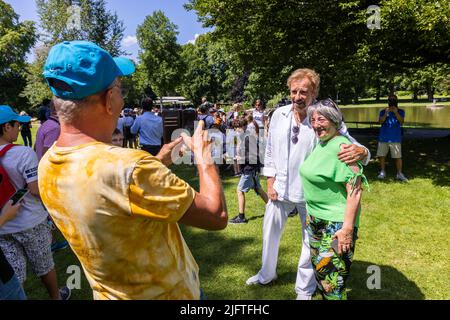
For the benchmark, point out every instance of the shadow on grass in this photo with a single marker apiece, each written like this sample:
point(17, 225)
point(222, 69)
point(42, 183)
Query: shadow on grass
point(256, 217)
point(422, 158)
point(394, 285)
point(227, 261)
point(215, 250)
point(189, 174)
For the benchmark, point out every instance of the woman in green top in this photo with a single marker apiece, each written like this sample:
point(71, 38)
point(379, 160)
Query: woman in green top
point(332, 192)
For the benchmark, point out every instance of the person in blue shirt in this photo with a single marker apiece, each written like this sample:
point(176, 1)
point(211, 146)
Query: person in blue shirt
point(204, 115)
point(390, 139)
point(128, 122)
point(150, 128)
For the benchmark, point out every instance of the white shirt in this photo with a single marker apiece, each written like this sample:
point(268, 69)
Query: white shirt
point(21, 164)
point(258, 116)
point(283, 158)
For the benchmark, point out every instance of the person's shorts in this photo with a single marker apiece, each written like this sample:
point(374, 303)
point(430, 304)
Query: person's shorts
point(32, 245)
point(395, 148)
point(249, 181)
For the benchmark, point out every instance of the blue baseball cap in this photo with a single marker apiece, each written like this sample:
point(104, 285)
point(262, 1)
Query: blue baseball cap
point(84, 68)
point(7, 114)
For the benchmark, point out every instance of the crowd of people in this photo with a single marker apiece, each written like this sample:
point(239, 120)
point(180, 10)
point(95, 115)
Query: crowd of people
point(125, 231)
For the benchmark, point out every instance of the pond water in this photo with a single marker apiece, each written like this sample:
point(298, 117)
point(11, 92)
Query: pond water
point(418, 116)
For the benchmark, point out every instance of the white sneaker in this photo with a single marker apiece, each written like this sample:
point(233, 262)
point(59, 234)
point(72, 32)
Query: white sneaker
point(382, 175)
point(401, 177)
point(252, 280)
point(255, 280)
point(304, 297)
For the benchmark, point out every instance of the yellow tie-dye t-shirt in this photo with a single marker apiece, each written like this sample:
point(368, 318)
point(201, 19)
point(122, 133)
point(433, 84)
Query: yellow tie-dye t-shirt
point(119, 209)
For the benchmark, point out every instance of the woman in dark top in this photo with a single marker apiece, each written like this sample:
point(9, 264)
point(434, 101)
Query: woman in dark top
point(10, 288)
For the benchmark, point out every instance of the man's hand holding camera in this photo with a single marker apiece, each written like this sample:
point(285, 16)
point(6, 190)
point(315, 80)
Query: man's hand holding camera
point(200, 144)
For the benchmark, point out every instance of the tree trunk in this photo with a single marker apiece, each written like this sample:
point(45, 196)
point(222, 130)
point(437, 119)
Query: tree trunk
point(415, 93)
point(391, 89)
point(430, 92)
point(378, 94)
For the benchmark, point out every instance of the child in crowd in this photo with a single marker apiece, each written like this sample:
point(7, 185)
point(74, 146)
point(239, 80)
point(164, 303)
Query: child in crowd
point(250, 165)
point(27, 237)
point(117, 138)
point(234, 135)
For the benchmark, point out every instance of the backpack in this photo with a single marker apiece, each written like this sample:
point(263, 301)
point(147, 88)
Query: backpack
point(203, 117)
point(7, 190)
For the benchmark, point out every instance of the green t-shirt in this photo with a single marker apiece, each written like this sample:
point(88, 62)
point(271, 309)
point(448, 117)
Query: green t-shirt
point(324, 179)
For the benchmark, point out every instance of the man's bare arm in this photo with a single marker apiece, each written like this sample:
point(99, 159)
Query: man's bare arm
point(209, 210)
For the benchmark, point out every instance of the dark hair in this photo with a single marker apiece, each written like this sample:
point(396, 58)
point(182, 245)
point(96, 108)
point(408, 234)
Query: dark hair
point(147, 104)
point(393, 101)
point(263, 106)
point(2, 126)
point(239, 123)
point(203, 109)
point(116, 132)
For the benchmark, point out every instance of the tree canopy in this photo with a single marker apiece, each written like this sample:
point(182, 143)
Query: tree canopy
point(96, 24)
point(254, 46)
point(16, 40)
point(160, 53)
point(271, 38)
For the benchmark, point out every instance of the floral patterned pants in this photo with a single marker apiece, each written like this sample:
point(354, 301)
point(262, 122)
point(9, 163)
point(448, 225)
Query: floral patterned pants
point(330, 269)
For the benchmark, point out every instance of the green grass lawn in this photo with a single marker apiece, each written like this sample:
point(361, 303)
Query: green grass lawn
point(34, 129)
point(404, 231)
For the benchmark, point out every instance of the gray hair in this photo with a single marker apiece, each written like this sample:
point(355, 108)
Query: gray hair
point(69, 110)
point(329, 109)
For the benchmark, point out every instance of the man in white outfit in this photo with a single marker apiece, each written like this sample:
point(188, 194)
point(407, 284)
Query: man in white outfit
point(291, 139)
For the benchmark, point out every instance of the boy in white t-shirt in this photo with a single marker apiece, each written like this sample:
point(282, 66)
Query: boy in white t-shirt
point(26, 238)
point(250, 166)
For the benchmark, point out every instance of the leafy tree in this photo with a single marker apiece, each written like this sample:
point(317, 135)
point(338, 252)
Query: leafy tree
point(271, 38)
point(139, 86)
point(209, 70)
point(160, 53)
point(274, 37)
point(16, 40)
point(426, 80)
point(414, 33)
point(36, 89)
point(97, 24)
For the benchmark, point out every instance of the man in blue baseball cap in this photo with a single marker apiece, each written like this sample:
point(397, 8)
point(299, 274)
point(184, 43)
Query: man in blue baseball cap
point(119, 208)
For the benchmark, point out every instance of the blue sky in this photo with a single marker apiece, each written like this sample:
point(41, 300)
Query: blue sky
point(133, 13)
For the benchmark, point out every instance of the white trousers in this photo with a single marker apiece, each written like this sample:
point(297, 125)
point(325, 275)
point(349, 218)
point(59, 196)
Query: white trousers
point(274, 221)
